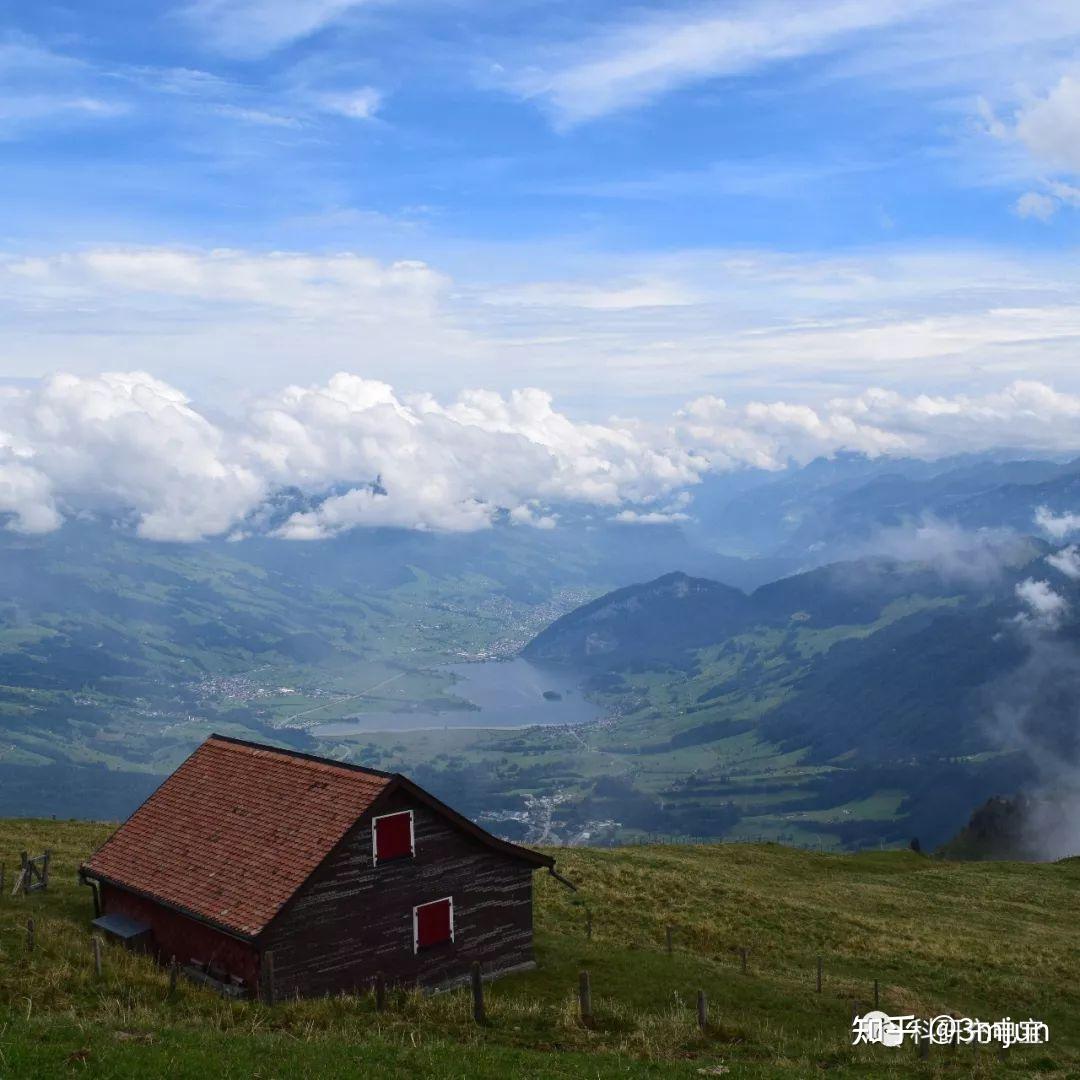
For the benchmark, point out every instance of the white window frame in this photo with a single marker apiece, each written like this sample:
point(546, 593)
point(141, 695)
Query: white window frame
point(416, 922)
point(375, 835)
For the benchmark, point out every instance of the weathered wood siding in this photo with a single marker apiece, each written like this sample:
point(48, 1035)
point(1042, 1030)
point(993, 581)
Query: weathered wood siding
point(353, 919)
point(186, 939)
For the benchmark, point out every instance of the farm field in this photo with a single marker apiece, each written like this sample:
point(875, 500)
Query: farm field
point(984, 940)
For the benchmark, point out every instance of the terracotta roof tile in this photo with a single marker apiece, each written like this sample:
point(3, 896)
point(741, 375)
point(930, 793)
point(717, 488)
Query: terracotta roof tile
point(235, 831)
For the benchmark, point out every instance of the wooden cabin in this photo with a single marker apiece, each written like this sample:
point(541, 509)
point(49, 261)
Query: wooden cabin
point(269, 871)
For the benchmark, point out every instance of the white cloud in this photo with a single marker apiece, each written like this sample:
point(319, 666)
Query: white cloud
point(26, 495)
point(592, 296)
point(451, 466)
point(249, 28)
point(649, 517)
point(125, 441)
point(1050, 126)
point(529, 515)
point(628, 65)
point(363, 455)
point(639, 333)
point(359, 104)
point(771, 434)
point(28, 111)
point(304, 284)
point(1048, 129)
point(1067, 562)
point(1056, 525)
point(1036, 204)
point(262, 117)
point(1046, 608)
point(129, 443)
point(1046, 203)
point(954, 552)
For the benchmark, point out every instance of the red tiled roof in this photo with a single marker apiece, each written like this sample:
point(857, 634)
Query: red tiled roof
point(236, 830)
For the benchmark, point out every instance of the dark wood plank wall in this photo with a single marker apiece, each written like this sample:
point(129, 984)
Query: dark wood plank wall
point(353, 919)
point(186, 939)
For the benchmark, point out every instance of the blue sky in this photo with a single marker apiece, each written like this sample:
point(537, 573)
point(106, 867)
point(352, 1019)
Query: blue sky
point(627, 206)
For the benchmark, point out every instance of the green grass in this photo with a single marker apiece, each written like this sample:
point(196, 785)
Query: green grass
point(983, 940)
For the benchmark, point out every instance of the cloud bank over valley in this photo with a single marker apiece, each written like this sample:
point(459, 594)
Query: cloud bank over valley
point(353, 452)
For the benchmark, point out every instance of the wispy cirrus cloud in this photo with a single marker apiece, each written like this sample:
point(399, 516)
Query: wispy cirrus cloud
point(633, 62)
point(40, 87)
point(252, 28)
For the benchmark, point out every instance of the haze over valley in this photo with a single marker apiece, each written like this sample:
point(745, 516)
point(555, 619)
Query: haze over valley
point(772, 663)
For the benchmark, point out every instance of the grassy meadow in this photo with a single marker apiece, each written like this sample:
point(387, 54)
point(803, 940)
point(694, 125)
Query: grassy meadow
point(984, 940)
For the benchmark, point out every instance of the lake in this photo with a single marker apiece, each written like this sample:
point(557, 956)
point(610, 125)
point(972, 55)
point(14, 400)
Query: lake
point(507, 693)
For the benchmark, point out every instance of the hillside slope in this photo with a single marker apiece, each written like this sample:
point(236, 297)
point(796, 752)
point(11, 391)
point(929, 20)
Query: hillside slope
point(977, 939)
point(855, 700)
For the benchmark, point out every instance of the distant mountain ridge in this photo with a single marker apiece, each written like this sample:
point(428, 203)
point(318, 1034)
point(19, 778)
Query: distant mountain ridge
point(835, 508)
point(882, 675)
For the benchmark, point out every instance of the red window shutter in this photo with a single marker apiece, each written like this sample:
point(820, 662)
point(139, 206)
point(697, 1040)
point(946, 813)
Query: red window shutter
point(393, 836)
point(434, 922)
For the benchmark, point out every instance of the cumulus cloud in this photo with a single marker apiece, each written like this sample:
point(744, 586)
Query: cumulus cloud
point(129, 442)
point(361, 454)
point(770, 435)
point(450, 466)
point(1036, 204)
point(1048, 128)
point(1066, 561)
point(1056, 525)
point(1045, 607)
point(26, 496)
point(125, 441)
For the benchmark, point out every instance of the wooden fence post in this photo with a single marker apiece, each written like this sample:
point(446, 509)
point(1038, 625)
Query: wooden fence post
point(819, 974)
point(380, 992)
point(95, 945)
point(588, 925)
point(585, 998)
point(743, 954)
point(702, 1010)
point(45, 869)
point(174, 972)
point(478, 1013)
point(3, 869)
point(29, 935)
point(268, 977)
point(668, 934)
